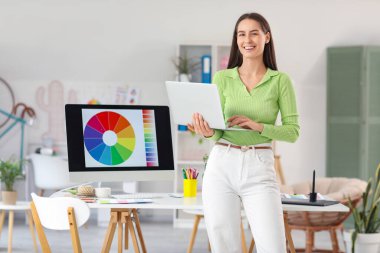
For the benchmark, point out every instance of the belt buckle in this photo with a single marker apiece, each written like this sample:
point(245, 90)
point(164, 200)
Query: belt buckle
point(244, 148)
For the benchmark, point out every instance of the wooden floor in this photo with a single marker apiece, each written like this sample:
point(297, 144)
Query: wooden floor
point(160, 237)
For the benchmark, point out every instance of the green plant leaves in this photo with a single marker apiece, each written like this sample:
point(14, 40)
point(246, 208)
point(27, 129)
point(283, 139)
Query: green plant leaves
point(9, 171)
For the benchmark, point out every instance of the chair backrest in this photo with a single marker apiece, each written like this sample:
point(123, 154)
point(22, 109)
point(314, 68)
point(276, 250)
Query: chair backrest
point(53, 211)
point(50, 173)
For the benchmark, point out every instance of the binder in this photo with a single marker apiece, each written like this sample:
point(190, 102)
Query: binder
point(206, 69)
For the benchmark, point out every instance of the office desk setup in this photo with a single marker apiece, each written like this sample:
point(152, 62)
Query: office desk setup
point(126, 214)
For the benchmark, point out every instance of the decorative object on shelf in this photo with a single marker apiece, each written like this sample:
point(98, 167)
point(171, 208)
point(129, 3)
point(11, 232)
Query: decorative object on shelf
point(206, 68)
point(224, 62)
point(55, 107)
point(182, 128)
point(185, 67)
point(133, 95)
point(9, 171)
point(7, 100)
point(93, 101)
point(365, 237)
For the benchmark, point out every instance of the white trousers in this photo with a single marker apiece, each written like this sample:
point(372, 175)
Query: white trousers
point(234, 177)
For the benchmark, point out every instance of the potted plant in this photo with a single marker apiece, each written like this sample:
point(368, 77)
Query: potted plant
point(185, 67)
point(9, 171)
point(365, 237)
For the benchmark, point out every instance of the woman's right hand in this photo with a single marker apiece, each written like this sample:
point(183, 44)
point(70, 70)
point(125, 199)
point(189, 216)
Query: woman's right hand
point(200, 126)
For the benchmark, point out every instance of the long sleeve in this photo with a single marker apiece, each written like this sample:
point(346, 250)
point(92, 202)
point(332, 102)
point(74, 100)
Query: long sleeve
point(289, 130)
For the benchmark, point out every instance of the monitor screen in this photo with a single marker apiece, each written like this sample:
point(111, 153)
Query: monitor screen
point(119, 143)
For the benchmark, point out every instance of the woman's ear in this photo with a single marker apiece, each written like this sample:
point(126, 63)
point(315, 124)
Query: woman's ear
point(267, 37)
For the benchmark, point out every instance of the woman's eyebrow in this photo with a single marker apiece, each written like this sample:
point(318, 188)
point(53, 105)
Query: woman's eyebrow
point(254, 30)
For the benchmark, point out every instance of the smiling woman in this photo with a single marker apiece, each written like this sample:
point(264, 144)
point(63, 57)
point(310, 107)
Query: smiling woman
point(240, 167)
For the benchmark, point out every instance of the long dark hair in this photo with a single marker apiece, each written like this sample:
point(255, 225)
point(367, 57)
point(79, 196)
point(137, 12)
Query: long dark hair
point(236, 58)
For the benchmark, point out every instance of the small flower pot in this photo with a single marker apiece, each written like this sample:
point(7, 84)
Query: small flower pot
point(9, 198)
point(365, 243)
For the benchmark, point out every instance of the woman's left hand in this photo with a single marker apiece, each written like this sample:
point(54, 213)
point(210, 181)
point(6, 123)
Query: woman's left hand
point(245, 122)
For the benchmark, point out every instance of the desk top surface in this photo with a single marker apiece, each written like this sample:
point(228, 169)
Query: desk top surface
point(167, 202)
point(20, 205)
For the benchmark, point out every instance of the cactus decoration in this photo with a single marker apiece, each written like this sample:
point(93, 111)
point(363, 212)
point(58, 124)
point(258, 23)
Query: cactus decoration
point(54, 105)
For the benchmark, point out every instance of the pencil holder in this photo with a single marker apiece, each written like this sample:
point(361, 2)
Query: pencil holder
point(189, 187)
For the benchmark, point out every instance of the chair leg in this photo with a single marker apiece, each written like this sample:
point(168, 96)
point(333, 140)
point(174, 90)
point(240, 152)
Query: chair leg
point(309, 247)
point(41, 192)
point(251, 246)
point(31, 228)
point(334, 241)
point(74, 230)
point(288, 234)
point(194, 233)
point(243, 243)
point(139, 232)
point(40, 231)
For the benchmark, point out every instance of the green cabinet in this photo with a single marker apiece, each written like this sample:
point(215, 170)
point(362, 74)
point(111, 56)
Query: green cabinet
point(353, 111)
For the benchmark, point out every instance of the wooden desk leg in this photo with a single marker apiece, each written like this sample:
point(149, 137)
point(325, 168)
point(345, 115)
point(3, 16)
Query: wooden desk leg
point(10, 230)
point(139, 232)
point(124, 220)
point(119, 233)
point(110, 233)
point(288, 234)
point(31, 228)
point(194, 233)
point(133, 235)
point(243, 243)
point(2, 217)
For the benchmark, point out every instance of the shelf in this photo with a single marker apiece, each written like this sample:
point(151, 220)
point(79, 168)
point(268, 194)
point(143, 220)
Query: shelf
point(190, 162)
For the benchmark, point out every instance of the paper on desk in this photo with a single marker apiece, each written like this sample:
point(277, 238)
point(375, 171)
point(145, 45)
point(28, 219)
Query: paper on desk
point(124, 201)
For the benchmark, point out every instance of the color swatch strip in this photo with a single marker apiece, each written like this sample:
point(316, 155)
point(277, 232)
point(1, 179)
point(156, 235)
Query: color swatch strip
point(150, 138)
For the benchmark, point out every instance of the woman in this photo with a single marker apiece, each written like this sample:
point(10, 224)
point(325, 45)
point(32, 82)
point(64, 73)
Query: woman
point(240, 169)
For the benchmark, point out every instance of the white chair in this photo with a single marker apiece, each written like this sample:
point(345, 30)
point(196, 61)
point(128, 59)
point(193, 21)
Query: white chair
point(50, 172)
point(59, 213)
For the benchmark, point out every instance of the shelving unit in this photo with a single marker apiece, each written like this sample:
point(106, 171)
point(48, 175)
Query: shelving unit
point(188, 150)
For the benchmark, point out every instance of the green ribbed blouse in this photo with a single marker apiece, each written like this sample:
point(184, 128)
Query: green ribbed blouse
point(273, 94)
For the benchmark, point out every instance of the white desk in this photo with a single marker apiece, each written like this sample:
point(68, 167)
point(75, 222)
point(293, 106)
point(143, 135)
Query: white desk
point(127, 214)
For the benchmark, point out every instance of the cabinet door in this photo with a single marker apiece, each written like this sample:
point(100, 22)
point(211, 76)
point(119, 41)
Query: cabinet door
point(373, 114)
point(344, 71)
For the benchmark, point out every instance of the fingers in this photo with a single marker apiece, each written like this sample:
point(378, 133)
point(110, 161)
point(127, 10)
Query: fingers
point(200, 126)
point(237, 121)
point(232, 118)
point(190, 127)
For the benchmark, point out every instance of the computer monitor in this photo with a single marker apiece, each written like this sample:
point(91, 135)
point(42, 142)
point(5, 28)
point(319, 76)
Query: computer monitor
point(119, 143)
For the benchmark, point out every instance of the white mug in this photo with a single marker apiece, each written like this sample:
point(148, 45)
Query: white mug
point(103, 192)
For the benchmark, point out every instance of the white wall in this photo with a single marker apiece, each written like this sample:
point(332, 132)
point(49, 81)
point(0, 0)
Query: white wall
point(85, 42)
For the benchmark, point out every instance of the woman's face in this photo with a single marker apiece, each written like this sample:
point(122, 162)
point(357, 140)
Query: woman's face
point(251, 39)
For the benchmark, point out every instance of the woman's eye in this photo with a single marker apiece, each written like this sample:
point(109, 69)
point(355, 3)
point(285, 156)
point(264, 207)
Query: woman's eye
point(241, 34)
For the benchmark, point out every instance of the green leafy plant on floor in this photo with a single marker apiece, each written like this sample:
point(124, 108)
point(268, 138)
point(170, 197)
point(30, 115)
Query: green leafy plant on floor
point(366, 217)
point(9, 171)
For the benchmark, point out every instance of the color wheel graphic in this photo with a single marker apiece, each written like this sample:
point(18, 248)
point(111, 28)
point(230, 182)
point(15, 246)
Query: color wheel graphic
point(109, 138)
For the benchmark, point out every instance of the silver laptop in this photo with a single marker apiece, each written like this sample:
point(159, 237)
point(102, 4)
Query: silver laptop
point(187, 98)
